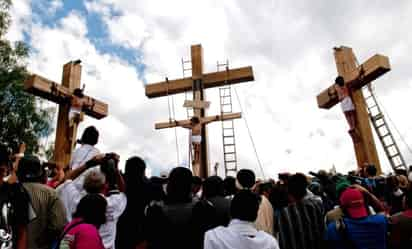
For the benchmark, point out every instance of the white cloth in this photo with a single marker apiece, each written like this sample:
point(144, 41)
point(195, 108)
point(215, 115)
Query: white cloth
point(71, 195)
point(264, 221)
point(347, 104)
point(197, 139)
point(73, 112)
point(239, 235)
point(83, 154)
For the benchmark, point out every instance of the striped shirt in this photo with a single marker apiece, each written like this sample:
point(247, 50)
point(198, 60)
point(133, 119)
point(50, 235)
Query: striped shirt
point(301, 225)
point(51, 216)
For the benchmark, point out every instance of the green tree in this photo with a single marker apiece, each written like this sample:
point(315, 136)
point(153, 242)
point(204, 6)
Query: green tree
point(20, 119)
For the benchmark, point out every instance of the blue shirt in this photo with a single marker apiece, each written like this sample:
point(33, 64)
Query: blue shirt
point(366, 233)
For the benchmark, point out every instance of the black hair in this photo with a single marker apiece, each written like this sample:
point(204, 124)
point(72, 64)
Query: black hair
point(4, 155)
point(179, 186)
point(340, 81)
point(229, 185)
point(195, 120)
point(90, 136)
point(245, 206)
point(297, 186)
point(246, 178)
point(78, 93)
point(31, 170)
point(213, 186)
point(92, 209)
point(134, 167)
point(196, 180)
point(108, 168)
point(371, 170)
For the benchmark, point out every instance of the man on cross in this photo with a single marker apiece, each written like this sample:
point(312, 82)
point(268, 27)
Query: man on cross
point(195, 126)
point(346, 103)
point(77, 103)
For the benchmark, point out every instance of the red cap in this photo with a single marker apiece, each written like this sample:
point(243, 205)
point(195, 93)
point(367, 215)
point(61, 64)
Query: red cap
point(353, 202)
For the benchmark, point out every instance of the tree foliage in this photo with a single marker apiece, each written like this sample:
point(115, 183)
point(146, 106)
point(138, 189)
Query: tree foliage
point(20, 119)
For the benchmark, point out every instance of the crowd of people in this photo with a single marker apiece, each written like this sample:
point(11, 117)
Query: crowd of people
point(91, 204)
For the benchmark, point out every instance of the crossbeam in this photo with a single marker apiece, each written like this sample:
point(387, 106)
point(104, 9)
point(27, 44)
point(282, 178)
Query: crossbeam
point(196, 104)
point(373, 68)
point(180, 123)
point(60, 94)
point(216, 79)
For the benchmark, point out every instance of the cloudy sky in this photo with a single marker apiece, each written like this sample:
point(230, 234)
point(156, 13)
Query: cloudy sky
point(125, 44)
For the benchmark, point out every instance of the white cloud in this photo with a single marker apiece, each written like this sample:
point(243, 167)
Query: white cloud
point(289, 44)
point(21, 16)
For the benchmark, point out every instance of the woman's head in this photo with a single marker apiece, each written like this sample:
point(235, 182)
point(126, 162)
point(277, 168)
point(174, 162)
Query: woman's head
point(92, 209)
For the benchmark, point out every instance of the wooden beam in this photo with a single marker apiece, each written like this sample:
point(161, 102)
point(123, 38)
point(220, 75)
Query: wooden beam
point(223, 117)
point(196, 104)
point(216, 79)
point(196, 53)
point(59, 94)
point(373, 68)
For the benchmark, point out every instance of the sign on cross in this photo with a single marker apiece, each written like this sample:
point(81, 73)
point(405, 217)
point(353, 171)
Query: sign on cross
point(197, 83)
point(63, 95)
point(355, 77)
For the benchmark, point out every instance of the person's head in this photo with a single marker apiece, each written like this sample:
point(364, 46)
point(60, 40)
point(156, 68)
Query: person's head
point(352, 203)
point(95, 182)
point(90, 136)
point(196, 184)
point(246, 179)
point(5, 161)
point(297, 186)
point(92, 209)
point(109, 169)
point(135, 168)
point(179, 185)
point(195, 120)
point(31, 170)
point(371, 170)
point(78, 93)
point(341, 185)
point(213, 186)
point(229, 186)
point(340, 81)
point(245, 206)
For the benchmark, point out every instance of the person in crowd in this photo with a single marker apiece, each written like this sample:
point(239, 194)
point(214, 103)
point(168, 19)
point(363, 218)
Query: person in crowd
point(394, 195)
point(374, 205)
point(14, 205)
point(241, 232)
point(170, 225)
point(357, 229)
point(87, 150)
point(130, 229)
point(301, 223)
point(50, 212)
point(213, 191)
point(83, 231)
point(245, 180)
point(229, 185)
point(196, 187)
point(105, 180)
point(401, 226)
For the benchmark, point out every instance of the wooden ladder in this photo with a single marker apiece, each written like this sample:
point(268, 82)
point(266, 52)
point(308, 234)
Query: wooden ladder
point(228, 129)
point(383, 131)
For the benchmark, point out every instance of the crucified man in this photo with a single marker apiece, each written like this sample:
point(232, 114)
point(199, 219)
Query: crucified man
point(196, 129)
point(346, 103)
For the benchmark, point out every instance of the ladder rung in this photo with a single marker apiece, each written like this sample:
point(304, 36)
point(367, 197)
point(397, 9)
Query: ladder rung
point(230, 161)
point(229, 144)
point(377, 116)
point(395, 155)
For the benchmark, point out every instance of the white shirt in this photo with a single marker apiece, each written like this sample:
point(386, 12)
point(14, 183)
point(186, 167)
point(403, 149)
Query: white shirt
point(71, 195)
point(239, 235)
point(83, 154)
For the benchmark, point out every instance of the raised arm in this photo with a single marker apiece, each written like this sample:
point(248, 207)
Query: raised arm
point(73, 174)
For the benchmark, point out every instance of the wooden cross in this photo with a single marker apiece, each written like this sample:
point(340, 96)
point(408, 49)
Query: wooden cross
point(60, 94)
point(197, 83)
point(357, 76)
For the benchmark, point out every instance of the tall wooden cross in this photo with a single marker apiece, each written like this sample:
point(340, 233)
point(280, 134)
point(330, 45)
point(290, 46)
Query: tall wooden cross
point(197, 83)
point(357, 76)
point(60, 94)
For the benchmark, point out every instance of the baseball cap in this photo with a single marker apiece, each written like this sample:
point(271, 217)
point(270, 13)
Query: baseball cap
point(352, 201)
